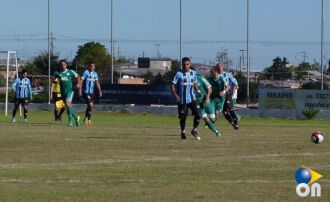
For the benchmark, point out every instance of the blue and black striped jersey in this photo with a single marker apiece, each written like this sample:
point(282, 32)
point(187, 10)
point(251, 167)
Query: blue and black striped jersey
point(22, 88)
point(89, 79)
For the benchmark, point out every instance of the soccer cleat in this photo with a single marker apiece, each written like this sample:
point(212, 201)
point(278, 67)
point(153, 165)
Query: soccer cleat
point(195, 134)
point(14, 120)
point(235, 125)
point(25, 120)
point(77, 121)
point(90, 124)
point(183, 136)
point(217, 133)
point(206, 126)
point(70, 124)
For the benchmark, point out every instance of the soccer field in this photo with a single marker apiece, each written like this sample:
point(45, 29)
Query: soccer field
point(126, 157)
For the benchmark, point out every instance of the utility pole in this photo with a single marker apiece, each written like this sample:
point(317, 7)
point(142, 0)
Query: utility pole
point(242, 59)
point(304, 56)
point(157, 47)
point(322, 39)
point(111, 41)
point(49, 62)
point(180, 38)
point(247, 52)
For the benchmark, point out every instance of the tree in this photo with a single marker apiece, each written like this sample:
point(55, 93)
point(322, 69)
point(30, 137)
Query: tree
point(39, 64)
point(279, 70)
point(223, 58)
point(314, 85)
point(92, 51)
point(242, 90)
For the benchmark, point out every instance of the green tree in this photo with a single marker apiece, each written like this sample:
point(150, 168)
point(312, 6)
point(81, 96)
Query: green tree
point(39, 64)
point(314, 85)
point(96, 52)
point(279, 70)
point(242, 90)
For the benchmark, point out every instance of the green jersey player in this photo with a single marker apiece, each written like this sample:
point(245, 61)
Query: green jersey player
point(219, 89)
point(206, 107)
point(67, 78)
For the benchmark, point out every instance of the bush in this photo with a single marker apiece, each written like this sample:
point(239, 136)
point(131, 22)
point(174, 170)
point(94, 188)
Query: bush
point(310, 113)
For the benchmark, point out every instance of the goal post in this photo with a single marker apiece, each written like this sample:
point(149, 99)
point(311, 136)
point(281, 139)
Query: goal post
point(11, 55)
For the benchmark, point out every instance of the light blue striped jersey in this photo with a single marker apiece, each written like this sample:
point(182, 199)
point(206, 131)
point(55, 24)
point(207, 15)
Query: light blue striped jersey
point(22, 88)
point(232, 82)
point(89, 79)
point(185, 84)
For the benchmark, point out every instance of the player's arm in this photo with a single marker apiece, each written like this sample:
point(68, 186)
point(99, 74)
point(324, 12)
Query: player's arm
point(209, 90)
point(30, 90)
point(13, 86)
point(98, 85)
point(173, 88)
point(78, 85)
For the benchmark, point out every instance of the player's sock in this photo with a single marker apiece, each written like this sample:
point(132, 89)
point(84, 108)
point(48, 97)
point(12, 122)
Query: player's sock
point(15, 110)
point(211, 125)
point(56, 114)
point(182, 124)
point(228, 117)
point(60, 113)
point(86, 114)
point(196, 122)
point(25, 113)
point(234, 115)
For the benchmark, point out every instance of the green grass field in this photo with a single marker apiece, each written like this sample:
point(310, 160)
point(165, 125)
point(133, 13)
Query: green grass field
point(126, 157)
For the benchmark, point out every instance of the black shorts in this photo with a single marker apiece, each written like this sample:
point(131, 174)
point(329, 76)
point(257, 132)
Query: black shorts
point(57, 97)
point(183, 109)
point(89, 97)
point(22, 101)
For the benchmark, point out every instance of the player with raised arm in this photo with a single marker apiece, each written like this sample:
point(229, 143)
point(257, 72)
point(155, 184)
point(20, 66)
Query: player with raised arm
point(23, 92)
point(67, 79)
point(89, 80)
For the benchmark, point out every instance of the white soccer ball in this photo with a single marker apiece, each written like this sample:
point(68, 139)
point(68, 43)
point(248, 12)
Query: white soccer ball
point(317, 137)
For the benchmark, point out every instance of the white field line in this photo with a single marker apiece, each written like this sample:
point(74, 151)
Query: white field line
point(158, 159)
point(73, 181)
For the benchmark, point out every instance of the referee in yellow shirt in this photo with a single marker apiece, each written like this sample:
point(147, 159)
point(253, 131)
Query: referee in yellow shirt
point(59, 106)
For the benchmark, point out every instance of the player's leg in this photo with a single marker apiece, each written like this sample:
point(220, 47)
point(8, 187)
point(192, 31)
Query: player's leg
point(182, 114)
point(88, 113)
point(25, 104)
point(225, 110)
point(70, 110)
point(195, 108)
point(207, 115)
point(56, 111)
point(233, 113)
point(16, 105)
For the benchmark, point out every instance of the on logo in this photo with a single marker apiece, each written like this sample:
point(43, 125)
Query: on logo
point(305, 178)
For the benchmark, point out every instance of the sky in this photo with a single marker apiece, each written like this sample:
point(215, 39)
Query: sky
point(140, 27)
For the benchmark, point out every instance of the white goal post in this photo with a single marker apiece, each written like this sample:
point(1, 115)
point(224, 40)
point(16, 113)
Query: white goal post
point(10, 55)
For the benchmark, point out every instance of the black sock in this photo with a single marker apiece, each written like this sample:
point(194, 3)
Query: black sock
point(60, 114)
point(196, 121)
point(234, 115)
point(25, 113)
point(228, 117)
point(183, 124)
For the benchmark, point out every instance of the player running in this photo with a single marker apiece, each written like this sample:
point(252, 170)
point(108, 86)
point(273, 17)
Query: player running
point(219, 89)
point(230, 101)
point(23, 92)
point(183, 86)
point(206, 107)
point(89, 80)
point(67, 78)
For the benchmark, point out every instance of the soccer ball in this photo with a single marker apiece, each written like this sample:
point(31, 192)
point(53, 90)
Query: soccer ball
point(317, 137)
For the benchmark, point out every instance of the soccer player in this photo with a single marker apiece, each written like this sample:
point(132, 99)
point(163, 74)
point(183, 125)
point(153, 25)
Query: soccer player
point(219, 89)
point(59, 106)
point(206, 107)
point(67, 79)
point(23, 92)
point(231, 96)
point(89, 80)
point(183, 86)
